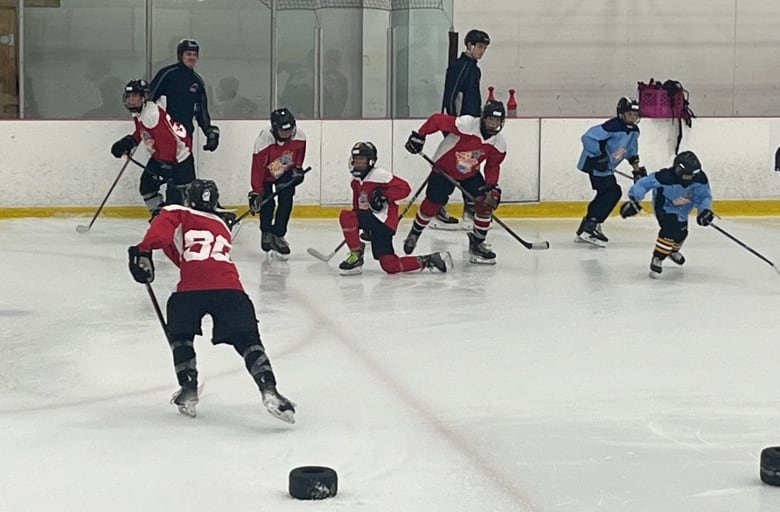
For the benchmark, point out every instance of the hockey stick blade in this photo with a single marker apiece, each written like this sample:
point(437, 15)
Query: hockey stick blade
point(81, 228)
point(539, 246)
point(322, 257)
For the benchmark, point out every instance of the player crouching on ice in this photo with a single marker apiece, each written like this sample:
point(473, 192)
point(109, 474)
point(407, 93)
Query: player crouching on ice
point(197, 240)
point(469, 141)
point(375, 193)
point(676, 190)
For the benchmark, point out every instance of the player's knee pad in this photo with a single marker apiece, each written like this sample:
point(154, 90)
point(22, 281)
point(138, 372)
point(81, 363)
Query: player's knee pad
point(253, 352)
point(183, 350)
point(348, 219)
point(429, 208)
point(613, 193)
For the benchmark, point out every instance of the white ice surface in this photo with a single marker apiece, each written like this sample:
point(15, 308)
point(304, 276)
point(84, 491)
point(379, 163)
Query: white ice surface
point(562, 380)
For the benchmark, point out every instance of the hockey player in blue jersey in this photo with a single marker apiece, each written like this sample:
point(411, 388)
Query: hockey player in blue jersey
point(604, 146)
point(676, 191)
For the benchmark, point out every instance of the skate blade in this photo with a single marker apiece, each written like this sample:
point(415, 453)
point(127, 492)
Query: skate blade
point(593, 241)
point(447, 261)
point(285, 416)
point(276, 255)
point(481, 261)
point(351, 272)
point(653, 274)
point(188, 409)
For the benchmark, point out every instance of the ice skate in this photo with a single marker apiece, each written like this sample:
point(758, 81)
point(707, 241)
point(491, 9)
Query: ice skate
point(353, 265)
point(677, 257)
point(479, 252)
point(444, 221)
point(655, 267)
point(411, 242)
point(365, 236)
point(265, 241)
point(185, 399)
point(440, 261)
point(277, 405)
point(280, 249)
point(589, 232)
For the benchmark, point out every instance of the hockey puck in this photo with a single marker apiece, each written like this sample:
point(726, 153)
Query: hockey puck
point(313, 483)
point(770, 465)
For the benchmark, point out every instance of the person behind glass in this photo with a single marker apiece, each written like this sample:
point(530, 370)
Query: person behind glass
point(375, 193)
point(182, 92)
point(276, 165)
point(676, 191)
point(604, 147)
point(469, 142)
point(197, 240)
point(171, 161)
point(462, 96)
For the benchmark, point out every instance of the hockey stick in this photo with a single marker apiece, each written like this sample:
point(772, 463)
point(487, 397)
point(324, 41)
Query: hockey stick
point(265, 200)
point(136, 162)
point(743, 245)
point(157, 309)
point(534, 246)
point(81, 228)
point(327, 257)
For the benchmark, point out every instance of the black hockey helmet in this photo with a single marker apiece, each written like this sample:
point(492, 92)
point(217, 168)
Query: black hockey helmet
point(627, 104)
point(686, 164)
point(282, 119)
point(366, 149)
point(187, 45)
point(202, 195)
point(475, 36)
point(137, 86)
point(492, 108)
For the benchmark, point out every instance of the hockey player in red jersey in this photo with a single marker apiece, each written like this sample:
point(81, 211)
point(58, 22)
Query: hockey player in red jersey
point(277, 163)
point(470, 141)
point(171, 160)
point(375, 192)
point(197, 240)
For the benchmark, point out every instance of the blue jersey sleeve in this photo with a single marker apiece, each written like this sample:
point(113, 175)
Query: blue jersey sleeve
point(644, 185)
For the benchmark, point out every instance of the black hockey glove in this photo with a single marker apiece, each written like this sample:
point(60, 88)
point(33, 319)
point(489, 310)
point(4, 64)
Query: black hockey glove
point(630, 208)
point(292, 177)
point(141, 265)
point(123, 146)
point(378, 199)
point(705, 217)
point(633, 160)
point(597, 163)
point(212, 138)
point(489, 195)
point(255, 202)
point(639, 173)
point(227, 216)
point(415, 143)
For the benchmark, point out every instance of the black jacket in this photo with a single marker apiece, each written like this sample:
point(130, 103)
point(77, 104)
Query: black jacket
point(185, 95)
point(461, 85)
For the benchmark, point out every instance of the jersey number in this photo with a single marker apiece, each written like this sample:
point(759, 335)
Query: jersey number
point(201, 245)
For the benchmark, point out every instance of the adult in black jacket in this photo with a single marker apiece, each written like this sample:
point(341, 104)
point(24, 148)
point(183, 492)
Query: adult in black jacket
point(462, 96)
point(185, 93)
